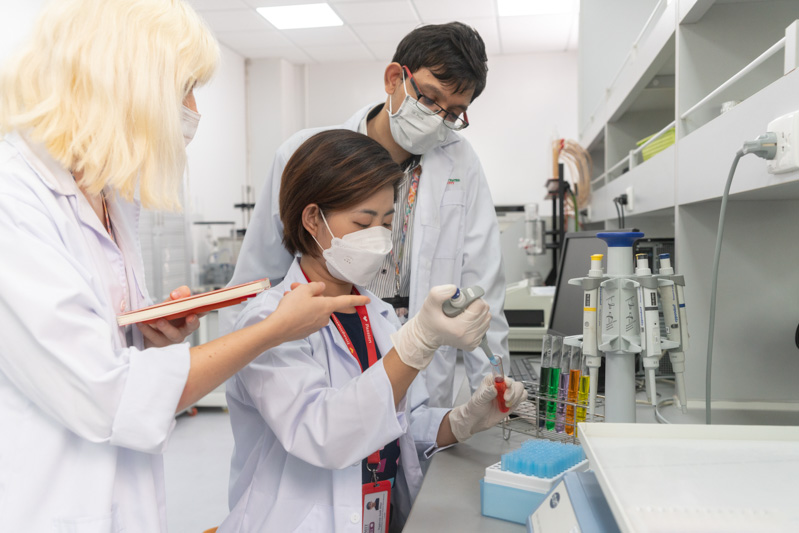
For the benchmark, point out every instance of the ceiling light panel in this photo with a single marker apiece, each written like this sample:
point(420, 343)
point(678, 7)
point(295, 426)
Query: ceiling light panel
point(300, 16)
point(375, 12)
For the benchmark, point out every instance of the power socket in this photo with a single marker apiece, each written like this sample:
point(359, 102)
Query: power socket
point(630, 199)
point(787, 129)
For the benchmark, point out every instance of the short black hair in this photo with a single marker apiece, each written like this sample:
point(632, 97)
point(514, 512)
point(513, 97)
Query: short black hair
point(454, 53)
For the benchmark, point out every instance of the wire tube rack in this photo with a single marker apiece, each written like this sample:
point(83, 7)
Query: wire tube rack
point(526, 419)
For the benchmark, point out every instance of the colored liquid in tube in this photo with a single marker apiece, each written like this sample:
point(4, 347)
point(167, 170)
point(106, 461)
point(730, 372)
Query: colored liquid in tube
point(574, 383)
point(582, 397)
point(552, 392)
point(499, 383)
point(562, 394)
point(543, 390)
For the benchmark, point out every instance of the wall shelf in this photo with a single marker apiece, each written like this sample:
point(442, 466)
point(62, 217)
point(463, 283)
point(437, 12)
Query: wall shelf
point(691, 48)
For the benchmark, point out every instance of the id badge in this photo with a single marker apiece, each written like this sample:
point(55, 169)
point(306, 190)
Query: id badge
point(376, 502)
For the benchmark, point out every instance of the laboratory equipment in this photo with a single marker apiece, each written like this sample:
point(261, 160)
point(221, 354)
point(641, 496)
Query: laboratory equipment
point(575, 362)
point(455, 306)
point(627, 323)
point(563, 388)
point(527, 310)
point(672, 296)
point(575, 503)
point(543, 383)
point(556, 347)
point(513, 487)
point(533, 242)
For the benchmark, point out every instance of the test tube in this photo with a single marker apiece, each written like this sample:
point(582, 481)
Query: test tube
point(543, 383)
point(582, 391)
point(575, 361)
point(556, 343)
point(563, 386)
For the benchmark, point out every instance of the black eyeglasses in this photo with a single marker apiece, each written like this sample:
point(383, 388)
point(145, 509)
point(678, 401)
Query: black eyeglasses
point(430, 107)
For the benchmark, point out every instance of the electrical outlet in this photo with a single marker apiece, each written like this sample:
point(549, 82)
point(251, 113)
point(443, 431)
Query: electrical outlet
point(787, 129)
point(630, 199)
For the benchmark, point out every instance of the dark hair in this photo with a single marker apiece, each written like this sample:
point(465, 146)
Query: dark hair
point(454, 53)
point(335, 169)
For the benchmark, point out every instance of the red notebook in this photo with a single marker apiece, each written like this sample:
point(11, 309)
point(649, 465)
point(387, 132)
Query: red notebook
point(199, 303)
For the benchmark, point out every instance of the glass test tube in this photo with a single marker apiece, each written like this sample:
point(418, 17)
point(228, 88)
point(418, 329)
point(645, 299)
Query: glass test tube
point(574, 383)
point(556, 344)
point(582, 391)
point(563, 386)
point(543, 382)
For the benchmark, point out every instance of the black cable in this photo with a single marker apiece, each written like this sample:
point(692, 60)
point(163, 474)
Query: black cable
point(621, 207)
point(618, 213)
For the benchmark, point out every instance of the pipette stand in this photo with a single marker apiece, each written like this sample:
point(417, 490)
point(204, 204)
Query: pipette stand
point(622, 326)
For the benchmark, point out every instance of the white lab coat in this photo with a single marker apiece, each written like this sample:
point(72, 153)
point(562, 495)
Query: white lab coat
point(83, 416)
point(304, 417)
point(455, 241)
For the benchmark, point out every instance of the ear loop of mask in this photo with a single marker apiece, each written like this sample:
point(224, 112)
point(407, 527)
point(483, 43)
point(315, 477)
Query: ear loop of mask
point(390, 110)
point(328, 229)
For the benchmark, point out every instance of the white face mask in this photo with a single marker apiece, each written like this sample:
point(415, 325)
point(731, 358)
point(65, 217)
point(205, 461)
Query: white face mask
point(189, 120)
point(414, 130)
point(356, 258)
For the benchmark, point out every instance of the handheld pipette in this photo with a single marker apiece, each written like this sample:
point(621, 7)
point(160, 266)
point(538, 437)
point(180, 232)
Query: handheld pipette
point(590, 350)
point(673, 297)
point(650, 323)
point(455, 306)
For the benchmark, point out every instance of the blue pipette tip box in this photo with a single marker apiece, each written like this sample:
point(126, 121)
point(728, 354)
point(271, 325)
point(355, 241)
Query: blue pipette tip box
point(511, 490)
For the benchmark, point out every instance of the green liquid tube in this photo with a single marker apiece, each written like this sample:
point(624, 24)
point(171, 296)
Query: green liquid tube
point(543, 383)
point(556, 348)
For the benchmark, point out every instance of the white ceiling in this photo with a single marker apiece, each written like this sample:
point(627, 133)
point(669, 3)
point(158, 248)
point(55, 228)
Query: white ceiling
point(373, 28)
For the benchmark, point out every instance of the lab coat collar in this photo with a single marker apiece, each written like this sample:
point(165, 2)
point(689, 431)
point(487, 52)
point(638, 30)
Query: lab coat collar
point(53, 174)
point(375, 307)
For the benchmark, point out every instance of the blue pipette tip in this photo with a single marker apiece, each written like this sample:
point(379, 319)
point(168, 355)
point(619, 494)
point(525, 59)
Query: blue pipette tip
point(542, 458)
point(457, 293)
point(664, 256)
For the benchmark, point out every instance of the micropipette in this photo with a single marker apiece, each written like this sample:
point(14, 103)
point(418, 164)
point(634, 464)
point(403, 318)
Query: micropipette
point(650, 323)
point(590, 333)
point(673, 297)
point(455, 306)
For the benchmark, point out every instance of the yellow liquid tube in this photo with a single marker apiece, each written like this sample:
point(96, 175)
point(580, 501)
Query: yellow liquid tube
point(582, 398)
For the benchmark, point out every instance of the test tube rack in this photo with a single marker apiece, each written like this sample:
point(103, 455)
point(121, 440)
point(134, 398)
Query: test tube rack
point(527, 419)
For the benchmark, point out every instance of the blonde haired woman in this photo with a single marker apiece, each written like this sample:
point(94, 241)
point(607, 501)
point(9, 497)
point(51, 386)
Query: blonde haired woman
point(94, 110)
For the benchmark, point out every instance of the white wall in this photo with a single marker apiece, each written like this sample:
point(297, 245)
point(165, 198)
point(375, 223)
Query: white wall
point(16, 21)
point(217, 157)
point(527, 100)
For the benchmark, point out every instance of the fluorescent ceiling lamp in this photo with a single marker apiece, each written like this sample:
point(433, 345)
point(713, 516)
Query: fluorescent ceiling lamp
point(519, 8)
point(300, 16)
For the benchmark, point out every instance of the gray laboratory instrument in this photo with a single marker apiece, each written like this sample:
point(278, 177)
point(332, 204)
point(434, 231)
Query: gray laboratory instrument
point(575, 503)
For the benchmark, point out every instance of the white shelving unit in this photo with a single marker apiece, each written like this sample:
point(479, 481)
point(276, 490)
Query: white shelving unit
point(678, 54)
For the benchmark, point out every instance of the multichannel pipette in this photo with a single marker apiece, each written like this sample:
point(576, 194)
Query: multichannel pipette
point(574, 383)
point(455, 306)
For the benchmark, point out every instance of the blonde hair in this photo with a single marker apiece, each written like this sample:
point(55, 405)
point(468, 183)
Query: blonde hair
point(101, 83)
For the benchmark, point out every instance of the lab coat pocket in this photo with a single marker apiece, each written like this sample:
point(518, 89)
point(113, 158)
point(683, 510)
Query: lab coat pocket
point(106, 523)
point(452, 218)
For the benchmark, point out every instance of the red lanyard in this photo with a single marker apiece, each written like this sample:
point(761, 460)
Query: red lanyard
point(371, 351)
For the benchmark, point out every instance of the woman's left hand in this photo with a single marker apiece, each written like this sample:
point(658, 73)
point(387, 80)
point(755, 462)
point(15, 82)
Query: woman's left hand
point(164, 332)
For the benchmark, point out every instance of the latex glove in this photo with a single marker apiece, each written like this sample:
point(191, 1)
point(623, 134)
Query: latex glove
point(481, 411)
point(421, 336)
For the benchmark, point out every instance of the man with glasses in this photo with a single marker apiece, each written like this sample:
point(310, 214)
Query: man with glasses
point(445, 229)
